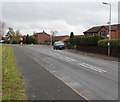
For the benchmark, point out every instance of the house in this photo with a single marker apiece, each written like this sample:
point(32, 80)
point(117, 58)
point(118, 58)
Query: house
point(78, 36)
point(104, 31)
point(3, 39)
point(58, 38)
point(42, 37)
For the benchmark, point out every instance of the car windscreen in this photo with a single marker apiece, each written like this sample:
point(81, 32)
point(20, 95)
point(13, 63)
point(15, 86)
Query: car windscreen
point(59, 43)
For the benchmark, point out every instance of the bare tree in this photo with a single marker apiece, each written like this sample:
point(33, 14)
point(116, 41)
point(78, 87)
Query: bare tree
point(17, 35)
point(53, 33)
point(2, 29)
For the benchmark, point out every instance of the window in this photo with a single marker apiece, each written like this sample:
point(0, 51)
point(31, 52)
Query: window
point(103, 33)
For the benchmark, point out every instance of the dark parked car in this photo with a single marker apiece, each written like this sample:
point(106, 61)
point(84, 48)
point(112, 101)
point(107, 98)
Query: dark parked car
point(59, 45)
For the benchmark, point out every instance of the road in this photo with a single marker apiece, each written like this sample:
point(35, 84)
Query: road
point(92, 78)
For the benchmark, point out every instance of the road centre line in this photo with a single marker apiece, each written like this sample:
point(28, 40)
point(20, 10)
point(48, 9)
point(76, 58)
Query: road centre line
point(95, 67)
point(82, 64)
point(62, 57)
point(70, 58)
point(91, 67)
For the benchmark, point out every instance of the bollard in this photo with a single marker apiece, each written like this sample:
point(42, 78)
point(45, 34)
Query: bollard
point(32, 44)
point(21, 43)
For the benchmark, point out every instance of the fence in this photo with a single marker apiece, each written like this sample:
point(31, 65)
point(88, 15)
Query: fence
point(115, 51)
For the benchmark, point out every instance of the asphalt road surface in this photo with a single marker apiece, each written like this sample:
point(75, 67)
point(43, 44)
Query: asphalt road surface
point(91, 78)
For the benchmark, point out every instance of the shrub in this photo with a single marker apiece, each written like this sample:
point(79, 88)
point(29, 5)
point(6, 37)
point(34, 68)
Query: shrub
point(88, 41)
point(31, 39)
point(113, 43)
point(15, 41)
point(69, 46)
point(6, 41)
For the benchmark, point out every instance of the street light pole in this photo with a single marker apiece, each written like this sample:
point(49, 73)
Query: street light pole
point(109, 27)
point(51, 40)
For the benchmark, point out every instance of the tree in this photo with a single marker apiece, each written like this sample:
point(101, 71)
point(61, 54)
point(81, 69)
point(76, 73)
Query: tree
point(27, 39)
point(32, 39)
point(72, 40)
point(17, 35)
point(53, 33)
point(24, 39)
point(10, 34)
point(2, 29)
point(71, 35)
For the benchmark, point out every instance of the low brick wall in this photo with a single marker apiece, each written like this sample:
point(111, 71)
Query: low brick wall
point(100, 50)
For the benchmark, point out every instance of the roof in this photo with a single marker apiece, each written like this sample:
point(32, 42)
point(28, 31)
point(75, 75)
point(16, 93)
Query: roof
point(58, 38)
point(78, 36)
point(97, 28)
point(41, 33)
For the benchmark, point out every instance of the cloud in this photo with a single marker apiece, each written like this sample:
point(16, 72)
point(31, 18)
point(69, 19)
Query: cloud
point(58, 0)
point(63, 17)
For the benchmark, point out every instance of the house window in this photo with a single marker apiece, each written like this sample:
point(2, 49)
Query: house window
point(103, 33)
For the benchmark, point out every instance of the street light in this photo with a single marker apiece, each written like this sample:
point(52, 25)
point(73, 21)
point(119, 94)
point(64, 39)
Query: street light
point(109, 27)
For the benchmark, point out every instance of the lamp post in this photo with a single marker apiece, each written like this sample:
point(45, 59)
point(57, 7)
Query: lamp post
point(51, 39)
point(109, 27)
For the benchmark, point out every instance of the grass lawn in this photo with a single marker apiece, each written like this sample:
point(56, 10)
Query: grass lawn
point(12, 82)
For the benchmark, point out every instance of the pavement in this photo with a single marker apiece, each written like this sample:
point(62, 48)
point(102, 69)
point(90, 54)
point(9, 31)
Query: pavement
point(40, 83)
point(95, 55)
point(89, 77)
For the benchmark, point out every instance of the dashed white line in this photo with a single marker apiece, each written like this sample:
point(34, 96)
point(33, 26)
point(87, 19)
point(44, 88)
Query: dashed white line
point(91, 67)
point(70, 58)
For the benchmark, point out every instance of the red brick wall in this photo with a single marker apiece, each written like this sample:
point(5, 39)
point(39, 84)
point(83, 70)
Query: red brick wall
point(103, 29)
point(42, 37)
point(113, 35)
point(118, 34)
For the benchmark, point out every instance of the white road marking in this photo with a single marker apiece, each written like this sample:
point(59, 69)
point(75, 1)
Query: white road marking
point(91, 67)
point(70, 58)
point(67, 58)
point(57, 54)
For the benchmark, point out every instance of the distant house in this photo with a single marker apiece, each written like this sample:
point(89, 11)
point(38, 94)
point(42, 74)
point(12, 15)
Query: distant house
point(77, 36)
point(42, 37)
point(58, 38)
point(104, 31)
point(3, 39)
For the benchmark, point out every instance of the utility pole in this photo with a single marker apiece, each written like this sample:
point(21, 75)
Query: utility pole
point(109, 27)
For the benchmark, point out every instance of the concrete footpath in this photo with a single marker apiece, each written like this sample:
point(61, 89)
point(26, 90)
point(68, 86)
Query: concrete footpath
point(95, 55)
point(41, 84)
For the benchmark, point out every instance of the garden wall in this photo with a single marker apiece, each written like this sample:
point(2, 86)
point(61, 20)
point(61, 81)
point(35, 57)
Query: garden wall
point(100, 50)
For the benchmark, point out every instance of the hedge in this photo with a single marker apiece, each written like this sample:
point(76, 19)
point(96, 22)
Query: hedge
point(88, 41)
point(16, 41)
point(113, 43)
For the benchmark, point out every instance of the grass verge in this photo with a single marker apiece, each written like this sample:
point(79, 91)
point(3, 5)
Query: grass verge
point(12, 82)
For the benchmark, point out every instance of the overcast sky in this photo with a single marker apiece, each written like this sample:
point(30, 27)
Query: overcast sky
point(65, 17)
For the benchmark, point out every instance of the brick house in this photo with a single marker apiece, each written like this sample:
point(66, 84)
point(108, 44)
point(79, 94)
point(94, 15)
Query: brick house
point(58, 38)
point(42, 37)
point(104, 31)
